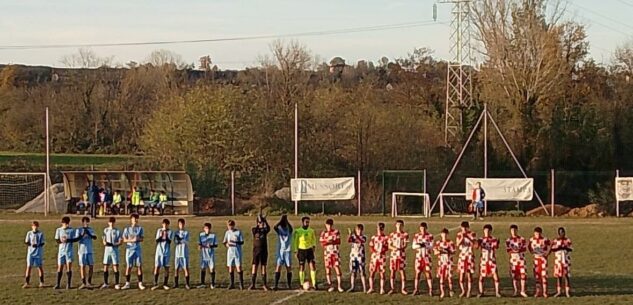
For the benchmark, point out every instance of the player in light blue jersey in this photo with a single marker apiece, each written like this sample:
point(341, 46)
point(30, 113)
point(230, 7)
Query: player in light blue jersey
point(65, 236)
point(182, 253)
point(85, 253)
point(233, 240)
point(35, 247)
point(111, 241)
point(164, 237)
point(284, 246)
point(133, 236)
point(207, 242)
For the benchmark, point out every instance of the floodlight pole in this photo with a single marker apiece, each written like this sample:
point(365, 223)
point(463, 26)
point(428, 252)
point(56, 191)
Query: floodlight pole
point(485, 153)
point(233, 193)
point(47, 177)
point(296, 152)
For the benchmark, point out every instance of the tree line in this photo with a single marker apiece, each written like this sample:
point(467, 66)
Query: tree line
point(557, 106)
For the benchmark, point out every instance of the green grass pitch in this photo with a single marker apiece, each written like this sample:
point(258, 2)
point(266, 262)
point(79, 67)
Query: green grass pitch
point(601, 269)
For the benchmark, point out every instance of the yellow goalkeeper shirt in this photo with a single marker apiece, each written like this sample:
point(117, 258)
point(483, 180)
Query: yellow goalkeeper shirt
point(303, 239)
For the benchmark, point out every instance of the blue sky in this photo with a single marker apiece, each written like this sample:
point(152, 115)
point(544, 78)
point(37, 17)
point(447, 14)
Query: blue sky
point(27, 22)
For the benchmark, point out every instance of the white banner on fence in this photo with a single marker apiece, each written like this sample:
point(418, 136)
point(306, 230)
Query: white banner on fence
point(322, 189)
point(624, 188)
point(502, 189)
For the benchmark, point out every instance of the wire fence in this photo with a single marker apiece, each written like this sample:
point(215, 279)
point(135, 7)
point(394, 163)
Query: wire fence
point(567, 188)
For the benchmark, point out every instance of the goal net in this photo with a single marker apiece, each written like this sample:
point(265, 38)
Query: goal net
point(453, 204)
point(25, 192)
point(410, 204)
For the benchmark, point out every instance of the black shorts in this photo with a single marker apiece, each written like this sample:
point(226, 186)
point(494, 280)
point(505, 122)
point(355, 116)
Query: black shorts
point(260, 256)
point(305, 255)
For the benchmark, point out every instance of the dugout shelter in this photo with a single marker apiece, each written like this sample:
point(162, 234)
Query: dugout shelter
point(176, 184)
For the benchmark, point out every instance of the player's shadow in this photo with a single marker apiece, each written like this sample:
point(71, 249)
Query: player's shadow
point(599, 285)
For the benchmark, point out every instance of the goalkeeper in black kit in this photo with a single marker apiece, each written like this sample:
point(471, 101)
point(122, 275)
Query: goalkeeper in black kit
point(260, 251)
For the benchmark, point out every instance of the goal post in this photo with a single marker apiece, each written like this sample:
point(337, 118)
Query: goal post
point(425, 206)
point(458, 209)
point(18, 189)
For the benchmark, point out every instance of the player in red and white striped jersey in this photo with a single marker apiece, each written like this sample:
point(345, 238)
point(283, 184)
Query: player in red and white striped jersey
point(398, 241)
point(539, 246)
point(488, 261)
point(379, 244)
point(466, 261)
point(561, 247)
point(423, 243)
point(516, 247)
point(444, 249)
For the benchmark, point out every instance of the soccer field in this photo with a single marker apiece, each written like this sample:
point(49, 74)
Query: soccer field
point(601, 273)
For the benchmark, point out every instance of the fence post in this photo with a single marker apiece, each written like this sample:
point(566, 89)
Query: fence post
point(553, 189)
point(617, 202)
point(384, 193)
point(233, 193)
point(426, 207)
point(359, 198)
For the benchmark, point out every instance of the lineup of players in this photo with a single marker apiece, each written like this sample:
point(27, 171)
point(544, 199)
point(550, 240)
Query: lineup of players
point(386, 250)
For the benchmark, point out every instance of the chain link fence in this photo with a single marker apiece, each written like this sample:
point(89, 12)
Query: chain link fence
point(240, 193)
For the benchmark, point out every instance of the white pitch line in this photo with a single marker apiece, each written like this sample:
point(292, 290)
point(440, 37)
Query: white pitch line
point(280, 301)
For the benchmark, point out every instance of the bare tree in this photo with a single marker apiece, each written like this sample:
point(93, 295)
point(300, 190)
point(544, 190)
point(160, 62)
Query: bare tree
point(530, 56)
point(165, 58)
point(293, 60)
point(86, 58)
point(624, 59)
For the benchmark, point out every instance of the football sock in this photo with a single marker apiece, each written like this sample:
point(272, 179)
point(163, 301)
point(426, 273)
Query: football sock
point(105, 277)
point(313, 277)
point(203, 275)
point(277, 277)
point(289, 278)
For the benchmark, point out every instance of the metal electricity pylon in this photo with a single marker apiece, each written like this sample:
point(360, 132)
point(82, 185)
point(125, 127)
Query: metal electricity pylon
point(459, 86)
